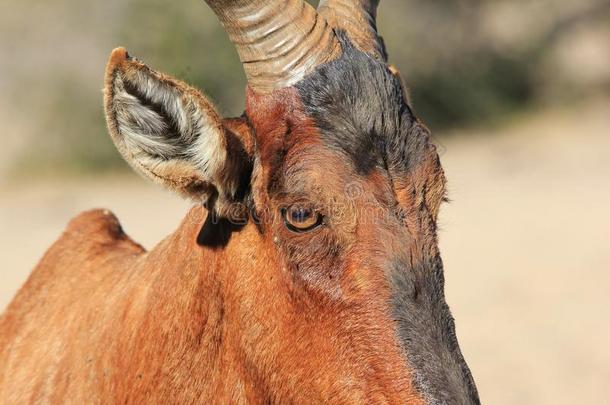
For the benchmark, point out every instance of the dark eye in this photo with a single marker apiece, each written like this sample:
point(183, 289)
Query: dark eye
point(301, 218)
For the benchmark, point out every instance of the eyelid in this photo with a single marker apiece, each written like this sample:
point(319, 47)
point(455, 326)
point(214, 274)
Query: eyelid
point(289, 200)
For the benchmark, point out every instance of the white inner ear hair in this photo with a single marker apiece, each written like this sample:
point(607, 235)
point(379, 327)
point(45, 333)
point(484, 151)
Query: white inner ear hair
point(160, 123)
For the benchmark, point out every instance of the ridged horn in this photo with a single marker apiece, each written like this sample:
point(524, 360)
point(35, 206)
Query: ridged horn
point(278, 41)
point(359, 19)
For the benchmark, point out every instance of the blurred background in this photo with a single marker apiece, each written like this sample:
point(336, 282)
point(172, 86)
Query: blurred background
point(517, 93)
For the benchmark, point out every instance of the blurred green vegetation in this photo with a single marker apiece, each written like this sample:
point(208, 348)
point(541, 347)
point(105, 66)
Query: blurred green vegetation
point(487, 86)
point(458, 74)
point(188, 43)
point(74, 138)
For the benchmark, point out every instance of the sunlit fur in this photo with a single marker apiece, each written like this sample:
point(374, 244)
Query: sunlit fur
point(170, 132)
point(352, 311)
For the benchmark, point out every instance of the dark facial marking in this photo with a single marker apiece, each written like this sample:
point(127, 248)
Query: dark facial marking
point(358, 105)
point(427, 330)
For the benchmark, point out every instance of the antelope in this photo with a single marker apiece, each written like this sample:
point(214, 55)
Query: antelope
point(307, 272)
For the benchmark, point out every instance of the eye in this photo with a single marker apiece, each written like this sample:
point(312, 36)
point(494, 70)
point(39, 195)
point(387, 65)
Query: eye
point(301, 218)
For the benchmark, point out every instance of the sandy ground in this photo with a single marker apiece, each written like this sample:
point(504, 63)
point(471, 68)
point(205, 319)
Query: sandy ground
point(525, 243)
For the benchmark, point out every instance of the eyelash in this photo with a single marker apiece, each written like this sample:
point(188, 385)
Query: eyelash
point(316, 222)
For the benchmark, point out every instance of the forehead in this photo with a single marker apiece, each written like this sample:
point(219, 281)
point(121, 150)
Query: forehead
point(358, 107)
point(352, 109)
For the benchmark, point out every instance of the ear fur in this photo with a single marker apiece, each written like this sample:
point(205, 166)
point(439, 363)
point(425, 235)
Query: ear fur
point(170, 133)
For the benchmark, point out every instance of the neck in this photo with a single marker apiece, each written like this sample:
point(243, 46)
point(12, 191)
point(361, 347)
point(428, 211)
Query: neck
point(227, 308)
point(207, 313)
point(182, 328)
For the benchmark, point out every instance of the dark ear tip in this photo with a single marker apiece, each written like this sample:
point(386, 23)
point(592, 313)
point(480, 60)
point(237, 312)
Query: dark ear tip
point(117, 56)
point(118, 60)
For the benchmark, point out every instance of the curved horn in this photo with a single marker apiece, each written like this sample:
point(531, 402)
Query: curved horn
point(278, 41)
point(358, 19)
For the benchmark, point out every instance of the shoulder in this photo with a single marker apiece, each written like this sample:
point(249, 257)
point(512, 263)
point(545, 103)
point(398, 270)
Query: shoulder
point(97, 222)
point(92, 247)
point(96, 230)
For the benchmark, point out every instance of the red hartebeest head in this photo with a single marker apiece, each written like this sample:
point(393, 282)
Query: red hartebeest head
point(319, 256)
point(338, 176)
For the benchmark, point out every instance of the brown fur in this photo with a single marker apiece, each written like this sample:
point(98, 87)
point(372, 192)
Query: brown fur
point(352, 311)
point(100, 320)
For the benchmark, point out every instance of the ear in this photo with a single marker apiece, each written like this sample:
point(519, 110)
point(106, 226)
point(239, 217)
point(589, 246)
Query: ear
point(170, 133)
